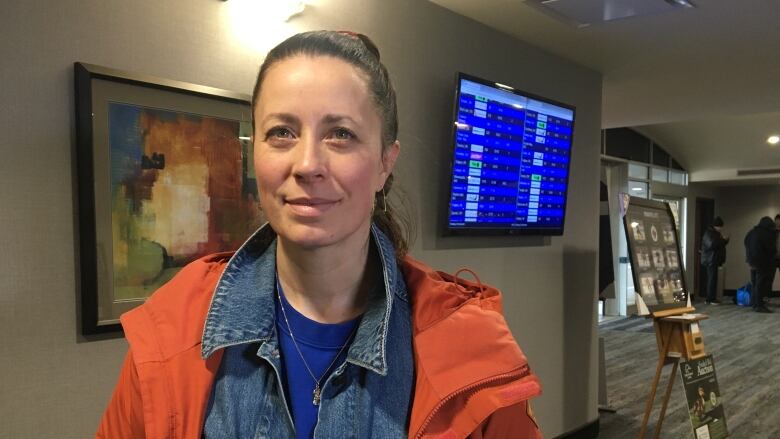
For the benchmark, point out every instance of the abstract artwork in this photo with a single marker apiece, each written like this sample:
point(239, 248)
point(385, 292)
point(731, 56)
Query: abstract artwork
point(179, 191)
point(165, 176)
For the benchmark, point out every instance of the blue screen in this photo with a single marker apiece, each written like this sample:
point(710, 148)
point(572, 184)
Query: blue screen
point(510, 165)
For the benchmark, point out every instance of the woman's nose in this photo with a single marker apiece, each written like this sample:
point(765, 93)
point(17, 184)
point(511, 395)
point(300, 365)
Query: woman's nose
point(310, 159)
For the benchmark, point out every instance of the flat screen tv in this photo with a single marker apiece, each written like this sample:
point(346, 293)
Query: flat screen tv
point(509, 170)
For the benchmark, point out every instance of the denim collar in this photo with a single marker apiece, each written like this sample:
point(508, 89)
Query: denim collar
point(242, 307)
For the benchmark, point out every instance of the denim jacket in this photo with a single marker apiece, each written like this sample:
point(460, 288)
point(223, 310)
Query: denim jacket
point(470, 377)
point(367, 396)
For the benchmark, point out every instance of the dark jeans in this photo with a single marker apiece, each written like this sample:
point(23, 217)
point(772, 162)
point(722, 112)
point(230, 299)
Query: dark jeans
point(761, 279)
point(712, 282)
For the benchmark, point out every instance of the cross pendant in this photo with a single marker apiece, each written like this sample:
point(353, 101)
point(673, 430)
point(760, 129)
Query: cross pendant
point(316, 395)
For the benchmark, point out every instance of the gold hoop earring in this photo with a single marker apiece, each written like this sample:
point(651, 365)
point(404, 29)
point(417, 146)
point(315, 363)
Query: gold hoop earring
point(384, 201)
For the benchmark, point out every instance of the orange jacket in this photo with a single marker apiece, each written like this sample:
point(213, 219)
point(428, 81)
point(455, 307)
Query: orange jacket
point(472, 380)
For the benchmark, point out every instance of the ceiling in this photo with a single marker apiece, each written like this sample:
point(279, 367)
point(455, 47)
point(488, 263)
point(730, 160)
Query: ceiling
point(703, 82)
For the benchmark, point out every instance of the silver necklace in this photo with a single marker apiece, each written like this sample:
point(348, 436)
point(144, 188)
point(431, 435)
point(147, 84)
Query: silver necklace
point(316, 394)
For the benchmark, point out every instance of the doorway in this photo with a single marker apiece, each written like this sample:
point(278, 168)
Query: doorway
point(705, 212)
point(616, 175)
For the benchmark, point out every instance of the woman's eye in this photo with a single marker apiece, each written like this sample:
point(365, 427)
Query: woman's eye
point(279, 133)
point(343, 134)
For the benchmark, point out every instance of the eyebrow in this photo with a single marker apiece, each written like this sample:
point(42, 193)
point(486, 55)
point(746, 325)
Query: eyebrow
point(334, 118)
point(284, 117)
point(291, 119)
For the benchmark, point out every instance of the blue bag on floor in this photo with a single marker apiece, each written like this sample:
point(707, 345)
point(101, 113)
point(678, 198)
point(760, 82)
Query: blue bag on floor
point(743, 295)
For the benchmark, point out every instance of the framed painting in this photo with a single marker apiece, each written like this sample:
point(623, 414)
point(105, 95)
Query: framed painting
point(165, 176)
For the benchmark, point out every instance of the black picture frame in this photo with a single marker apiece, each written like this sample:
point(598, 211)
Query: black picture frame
point(656, 213)
point(89, 81)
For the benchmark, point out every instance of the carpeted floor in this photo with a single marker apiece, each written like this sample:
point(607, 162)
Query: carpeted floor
point(630, 324)
point(746, 349)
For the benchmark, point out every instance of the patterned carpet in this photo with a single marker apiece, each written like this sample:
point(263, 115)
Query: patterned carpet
point(746, 349)
point(630, 324)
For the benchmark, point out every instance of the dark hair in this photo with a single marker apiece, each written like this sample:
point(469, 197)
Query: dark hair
point(767, 223)
point(717, 222)
point(777, 216)
point(361, 52)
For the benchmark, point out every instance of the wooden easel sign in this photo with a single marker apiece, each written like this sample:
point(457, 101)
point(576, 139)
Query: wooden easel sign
point(705, 404)
point(661, 294)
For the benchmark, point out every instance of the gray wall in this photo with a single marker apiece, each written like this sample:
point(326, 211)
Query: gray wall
point(55, 384)
point(741, 207)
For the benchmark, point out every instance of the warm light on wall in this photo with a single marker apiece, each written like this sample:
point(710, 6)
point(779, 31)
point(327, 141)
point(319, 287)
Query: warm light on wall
point(275, 9)
point(263, 23)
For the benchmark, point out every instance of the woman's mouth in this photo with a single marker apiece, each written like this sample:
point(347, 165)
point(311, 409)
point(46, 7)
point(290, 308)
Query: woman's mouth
point(309, 207)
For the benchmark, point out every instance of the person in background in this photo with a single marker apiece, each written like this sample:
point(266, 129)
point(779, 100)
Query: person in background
point(761, 248)
point(713, 255)
point(777, 245)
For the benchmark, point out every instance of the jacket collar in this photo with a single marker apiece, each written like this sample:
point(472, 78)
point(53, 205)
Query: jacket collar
point(242, 306)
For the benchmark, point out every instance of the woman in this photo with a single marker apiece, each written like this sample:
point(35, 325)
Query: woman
point(320, 325)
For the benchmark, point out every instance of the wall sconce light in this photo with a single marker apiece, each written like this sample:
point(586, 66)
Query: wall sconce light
point(259, 25)
point(282, 9)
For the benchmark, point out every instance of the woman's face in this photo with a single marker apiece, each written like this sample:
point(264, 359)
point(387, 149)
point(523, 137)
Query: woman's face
point(318, 151)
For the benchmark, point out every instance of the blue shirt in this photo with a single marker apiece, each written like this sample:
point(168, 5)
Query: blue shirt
point(319, 344)
point(369, 395)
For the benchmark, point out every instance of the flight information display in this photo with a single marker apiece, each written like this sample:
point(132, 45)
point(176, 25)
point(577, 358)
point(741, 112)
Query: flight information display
point(510, 165)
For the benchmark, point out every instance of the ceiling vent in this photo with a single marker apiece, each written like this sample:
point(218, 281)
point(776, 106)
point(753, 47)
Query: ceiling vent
point(582, 13)
point(758, 172)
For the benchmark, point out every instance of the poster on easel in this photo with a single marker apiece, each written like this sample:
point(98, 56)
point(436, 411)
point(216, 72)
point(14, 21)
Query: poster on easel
point(705, 403)
point(654, 252)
